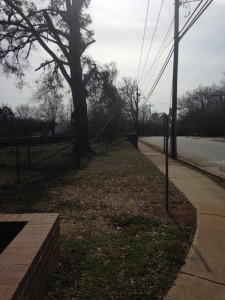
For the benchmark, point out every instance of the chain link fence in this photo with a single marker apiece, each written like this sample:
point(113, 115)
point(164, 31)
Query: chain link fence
point(22, 162)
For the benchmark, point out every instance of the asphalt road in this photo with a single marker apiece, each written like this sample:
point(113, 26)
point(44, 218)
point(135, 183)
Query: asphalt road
point(203, 151)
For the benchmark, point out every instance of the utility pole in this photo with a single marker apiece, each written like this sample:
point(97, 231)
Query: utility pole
point(175, 77)
point(137, 111)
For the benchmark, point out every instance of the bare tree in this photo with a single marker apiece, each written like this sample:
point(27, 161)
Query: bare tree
point(61, 28)
point(51, 107)
point(24, 111)
point(51, 111)
point(144, 119)
point(132, 99)
point(105, 104)
point(202, 111)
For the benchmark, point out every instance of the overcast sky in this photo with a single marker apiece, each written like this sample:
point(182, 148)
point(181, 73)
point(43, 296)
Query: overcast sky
point(119, 28)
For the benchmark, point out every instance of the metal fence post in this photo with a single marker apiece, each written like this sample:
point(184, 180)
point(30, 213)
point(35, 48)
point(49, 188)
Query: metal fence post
point(29, 157)
point(17, 165)
point(167, 162)
point(78, 153)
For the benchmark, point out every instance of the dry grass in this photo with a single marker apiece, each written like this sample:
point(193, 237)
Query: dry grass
point(117, 239)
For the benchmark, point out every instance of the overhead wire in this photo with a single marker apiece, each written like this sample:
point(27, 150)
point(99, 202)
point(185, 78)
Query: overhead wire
point(159, 76)
point(198, 15)
point(161, 71)
point(152, 74)
point(159, 54)
point(167, 45)
point(143, 39)
point(196, 8)
point(153, 36)
point(185, 29)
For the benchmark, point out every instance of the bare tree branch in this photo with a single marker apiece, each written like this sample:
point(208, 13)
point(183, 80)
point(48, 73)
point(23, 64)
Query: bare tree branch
point(55, 34)
point(41, 42)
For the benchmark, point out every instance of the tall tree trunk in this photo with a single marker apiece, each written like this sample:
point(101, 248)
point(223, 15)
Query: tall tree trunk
point(77, 85)
point(80, 120)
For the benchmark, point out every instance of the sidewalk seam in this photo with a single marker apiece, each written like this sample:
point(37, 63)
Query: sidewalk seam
point(189, 274)
point(212, 215)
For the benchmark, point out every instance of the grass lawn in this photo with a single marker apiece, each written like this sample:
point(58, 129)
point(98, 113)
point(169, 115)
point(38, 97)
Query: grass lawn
point(117, 239)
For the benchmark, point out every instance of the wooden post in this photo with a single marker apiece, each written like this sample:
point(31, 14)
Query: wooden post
point(175, 80)
point(167, 162)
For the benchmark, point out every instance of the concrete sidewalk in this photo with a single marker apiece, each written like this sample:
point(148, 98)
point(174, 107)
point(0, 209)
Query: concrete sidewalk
point(203, 275)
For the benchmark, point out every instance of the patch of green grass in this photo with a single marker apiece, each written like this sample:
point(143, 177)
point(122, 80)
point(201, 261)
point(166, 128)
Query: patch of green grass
point(118, 266)
point(125, 221)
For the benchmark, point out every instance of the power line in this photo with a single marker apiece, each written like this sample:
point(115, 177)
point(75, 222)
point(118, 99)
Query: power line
point(156, 26)
point(201, 11)
point(191, 16)
point(188, 26)
point(158, 56)
point(159, 76)
point(161, 72)
point(208, 2)
point(167, 45)
point(153, 73)
point(143, 40)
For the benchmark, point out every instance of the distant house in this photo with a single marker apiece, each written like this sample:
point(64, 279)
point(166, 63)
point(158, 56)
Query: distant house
point(61, 128)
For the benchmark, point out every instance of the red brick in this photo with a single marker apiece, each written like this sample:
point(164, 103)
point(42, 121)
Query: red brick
point(29, 256)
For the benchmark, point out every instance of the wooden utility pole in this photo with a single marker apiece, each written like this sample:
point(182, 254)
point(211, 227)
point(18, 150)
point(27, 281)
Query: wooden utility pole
point(137, 111)
point(166, 118)
point(175, 77)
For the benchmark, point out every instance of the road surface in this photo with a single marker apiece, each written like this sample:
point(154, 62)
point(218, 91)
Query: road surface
point(206, 152)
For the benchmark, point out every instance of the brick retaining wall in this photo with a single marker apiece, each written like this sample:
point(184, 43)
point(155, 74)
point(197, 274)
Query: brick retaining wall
point(26, 263)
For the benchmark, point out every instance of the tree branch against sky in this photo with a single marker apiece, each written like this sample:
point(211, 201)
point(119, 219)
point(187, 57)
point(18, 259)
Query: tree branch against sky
point(59, 27)
point(118, 27)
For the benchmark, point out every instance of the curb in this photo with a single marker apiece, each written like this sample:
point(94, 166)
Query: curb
point(189, 162)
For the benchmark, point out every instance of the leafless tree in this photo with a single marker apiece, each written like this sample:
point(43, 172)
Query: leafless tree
point(132, 99)
point(51, 111)
point(24, 111)
point(51, 107)
point(105, 104)
point(61, 28)
point(202, 111)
